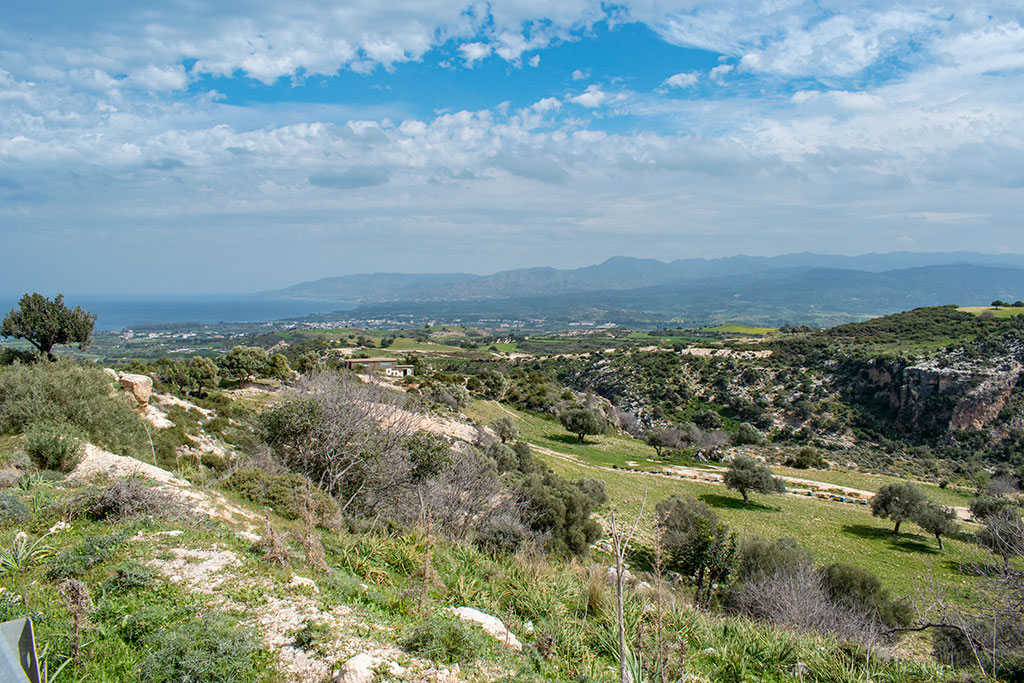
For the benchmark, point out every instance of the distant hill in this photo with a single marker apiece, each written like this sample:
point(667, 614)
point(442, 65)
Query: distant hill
point(620, 274)
point(819, 296)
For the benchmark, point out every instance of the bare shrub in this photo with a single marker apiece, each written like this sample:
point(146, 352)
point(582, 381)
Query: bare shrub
point(797, 598)
point(126, 499)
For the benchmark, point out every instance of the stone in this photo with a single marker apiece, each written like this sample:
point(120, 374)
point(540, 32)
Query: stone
point(358, 669)
point(302, 582)
point(139, 386)
point(492, 625)
point(112, 372)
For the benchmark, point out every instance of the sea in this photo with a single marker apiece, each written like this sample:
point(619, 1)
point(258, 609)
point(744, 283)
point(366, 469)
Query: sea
point(120, 312)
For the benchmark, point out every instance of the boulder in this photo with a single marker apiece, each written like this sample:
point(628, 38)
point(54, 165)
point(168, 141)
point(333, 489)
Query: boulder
point(139, 386)
point(112, 372)
point(492, 625)
point(358, 669)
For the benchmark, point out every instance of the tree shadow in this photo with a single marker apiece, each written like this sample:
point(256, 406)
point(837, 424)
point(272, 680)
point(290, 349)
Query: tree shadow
point(730, 503)
point(906, 542)
point(567, 439)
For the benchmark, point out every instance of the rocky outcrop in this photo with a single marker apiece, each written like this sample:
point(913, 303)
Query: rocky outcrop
point(139, 386)
point(941, 395)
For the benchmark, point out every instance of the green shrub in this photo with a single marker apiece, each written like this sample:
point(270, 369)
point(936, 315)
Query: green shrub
point(760, 557)
point(92, 551)
point(53, 446)
point(213, 648)
point(9, 356)
point(859, 589)
point(287, 494)
point(445, 640)
point(312, 635)
point(12, 509)
point(128, 577)
point(64, 393)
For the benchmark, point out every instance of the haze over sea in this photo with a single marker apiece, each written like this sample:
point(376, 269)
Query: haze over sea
point(121, 312)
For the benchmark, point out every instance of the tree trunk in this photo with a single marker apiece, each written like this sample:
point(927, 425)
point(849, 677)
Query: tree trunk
point(896, 529)
point(939, 539)
point(746, 499)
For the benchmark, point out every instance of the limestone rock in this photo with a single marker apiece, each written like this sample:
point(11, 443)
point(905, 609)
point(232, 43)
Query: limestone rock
point(112, 372)
point(491, 625)
point(139, 386)
point(358, 669)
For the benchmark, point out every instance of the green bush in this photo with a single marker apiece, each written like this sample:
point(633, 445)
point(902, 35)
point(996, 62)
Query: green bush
point(53, 446)
point(92, 551)
point(859, 589)
point(64, 393)
point(213, 648)
point(12, 509)
point(285, 493)
point(445, 640)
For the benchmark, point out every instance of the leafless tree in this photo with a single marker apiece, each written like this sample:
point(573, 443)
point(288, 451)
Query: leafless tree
point(346, 436)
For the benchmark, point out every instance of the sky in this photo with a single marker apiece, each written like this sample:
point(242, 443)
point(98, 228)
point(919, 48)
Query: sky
point(242, 145)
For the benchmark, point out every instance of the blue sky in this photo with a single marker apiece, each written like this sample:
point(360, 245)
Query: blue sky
point(245, 145)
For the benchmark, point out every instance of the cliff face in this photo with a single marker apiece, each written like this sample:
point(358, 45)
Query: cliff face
point(935, 397)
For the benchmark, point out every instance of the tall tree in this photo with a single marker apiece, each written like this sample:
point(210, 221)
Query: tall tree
point(45, 323)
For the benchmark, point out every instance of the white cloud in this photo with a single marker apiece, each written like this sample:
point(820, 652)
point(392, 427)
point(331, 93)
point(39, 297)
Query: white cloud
point(718, 73)
point(534, 61)
point(681, 80)
point(580, 74)
point(474, 52)
point(591, 98)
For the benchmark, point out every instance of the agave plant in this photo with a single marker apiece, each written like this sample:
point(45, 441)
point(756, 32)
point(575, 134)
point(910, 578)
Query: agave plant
point(24, 552)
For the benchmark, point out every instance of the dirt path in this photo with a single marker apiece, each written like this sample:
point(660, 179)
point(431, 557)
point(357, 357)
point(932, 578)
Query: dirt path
point(795, 486)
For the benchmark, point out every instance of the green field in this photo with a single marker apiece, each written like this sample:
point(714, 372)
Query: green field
point(736, 328)
point(832, 531)
point(997, 312)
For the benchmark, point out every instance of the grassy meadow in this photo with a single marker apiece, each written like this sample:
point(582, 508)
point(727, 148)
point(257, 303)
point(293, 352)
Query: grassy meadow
point(831, 531)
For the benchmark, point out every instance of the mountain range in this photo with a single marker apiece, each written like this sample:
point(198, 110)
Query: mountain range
point(794, 288)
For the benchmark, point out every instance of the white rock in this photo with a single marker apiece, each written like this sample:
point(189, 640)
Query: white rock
point(397, 670)
point(302, 582)
point(359, 669)
point(492, 625)
point(111, 371)
point(139, 386)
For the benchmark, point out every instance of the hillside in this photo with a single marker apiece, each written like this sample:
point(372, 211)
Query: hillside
point(273, 525)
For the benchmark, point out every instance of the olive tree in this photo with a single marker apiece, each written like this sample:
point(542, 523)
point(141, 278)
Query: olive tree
point(506, 429)
point(899, 502)
point(746, 474)
point(937, 520)
point(582, 421)
point(45, 323)
point(204, 373)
